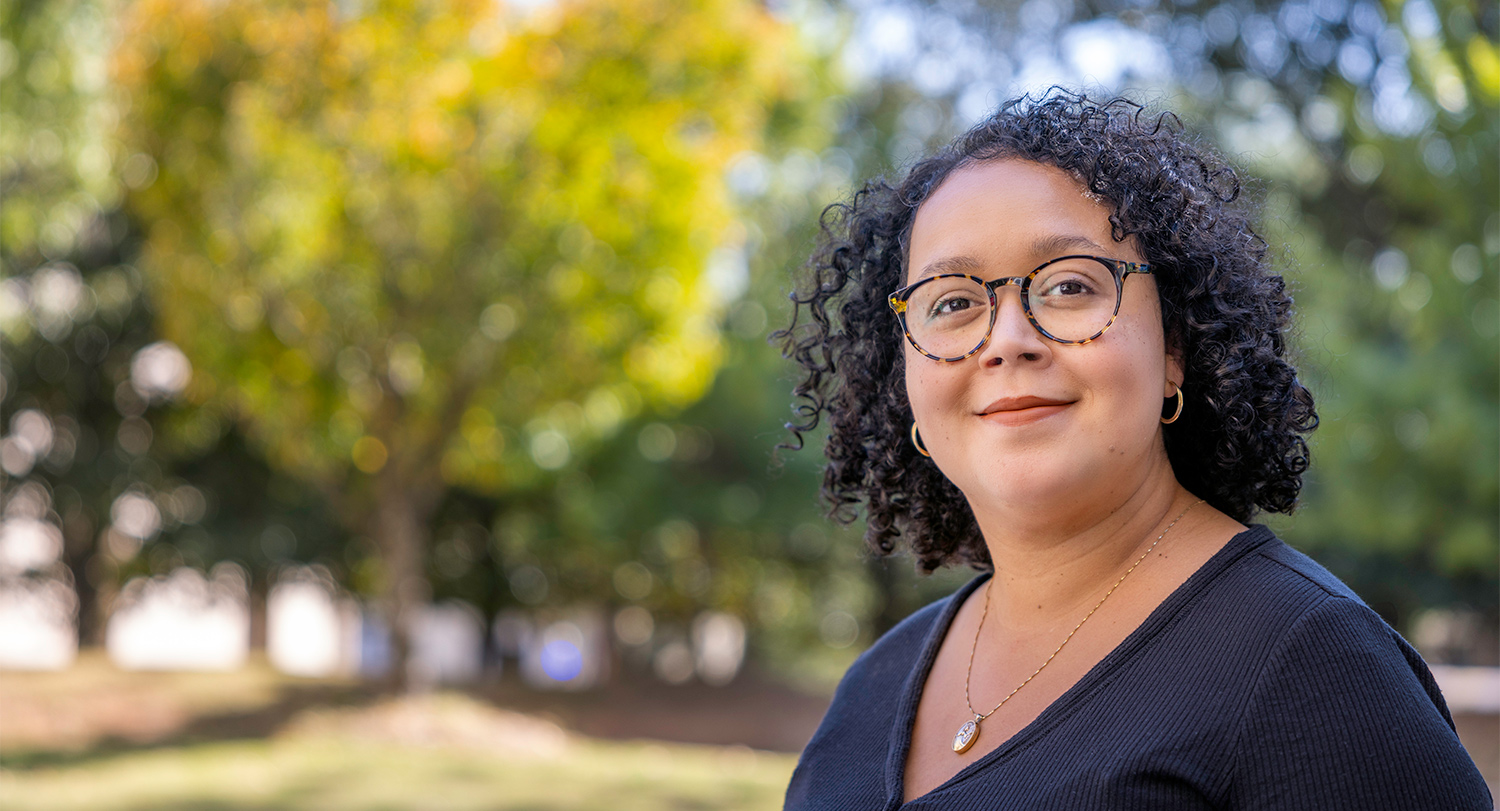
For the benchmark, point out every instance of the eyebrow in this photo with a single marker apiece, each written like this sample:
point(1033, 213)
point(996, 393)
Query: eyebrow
point(1043, 248)
point(1061, 244)
point(949, 264)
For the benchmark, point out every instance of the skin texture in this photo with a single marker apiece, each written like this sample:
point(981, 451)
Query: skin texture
point(1066, 496)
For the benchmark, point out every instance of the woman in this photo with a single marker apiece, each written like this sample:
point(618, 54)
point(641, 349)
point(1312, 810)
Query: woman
point(1055, 352)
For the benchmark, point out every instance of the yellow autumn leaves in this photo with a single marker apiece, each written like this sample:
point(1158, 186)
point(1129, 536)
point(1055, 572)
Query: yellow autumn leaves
point(395, 175)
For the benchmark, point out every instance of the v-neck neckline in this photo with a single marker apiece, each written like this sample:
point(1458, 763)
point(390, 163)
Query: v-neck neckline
point(906, 714)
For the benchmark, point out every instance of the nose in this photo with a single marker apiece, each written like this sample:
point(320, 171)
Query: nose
point(1012, 337)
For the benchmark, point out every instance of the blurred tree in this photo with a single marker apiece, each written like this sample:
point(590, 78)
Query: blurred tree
point(415, 245)
point(76, 428)
point(90, 407)
point(68, 325)
point(1379, 129)
point(687, 511)
point(55, 148)
point(1385, 201)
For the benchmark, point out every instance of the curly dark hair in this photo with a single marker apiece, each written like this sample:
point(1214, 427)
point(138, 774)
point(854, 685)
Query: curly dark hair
point(1239, 443)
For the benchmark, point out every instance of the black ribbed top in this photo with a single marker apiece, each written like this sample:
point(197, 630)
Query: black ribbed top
point(1262, 682)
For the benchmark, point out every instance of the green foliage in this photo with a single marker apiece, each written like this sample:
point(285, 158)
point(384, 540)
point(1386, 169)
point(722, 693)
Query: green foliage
point(56, 147)
point(1391, 241)
point(444, 238)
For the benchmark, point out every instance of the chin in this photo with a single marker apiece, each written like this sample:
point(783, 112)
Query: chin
point(1039, 476)
point(1020, 476)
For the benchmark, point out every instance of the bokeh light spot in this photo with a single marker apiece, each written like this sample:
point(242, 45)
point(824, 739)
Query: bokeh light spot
point(562, 660)
point(369, 454)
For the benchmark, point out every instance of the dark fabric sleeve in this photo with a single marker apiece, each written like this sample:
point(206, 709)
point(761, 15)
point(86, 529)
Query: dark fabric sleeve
point(1345, 716)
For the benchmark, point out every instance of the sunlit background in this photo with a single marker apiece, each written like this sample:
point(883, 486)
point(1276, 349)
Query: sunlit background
point(388, 414)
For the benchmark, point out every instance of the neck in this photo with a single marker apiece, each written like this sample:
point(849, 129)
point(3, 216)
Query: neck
point(1050, 563)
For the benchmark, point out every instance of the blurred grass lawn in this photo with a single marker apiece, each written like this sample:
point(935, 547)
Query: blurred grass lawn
point(339, 775)
point(96, 738)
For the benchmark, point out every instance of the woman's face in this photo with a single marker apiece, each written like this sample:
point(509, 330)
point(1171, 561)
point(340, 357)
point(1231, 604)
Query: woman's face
point(1026, 420)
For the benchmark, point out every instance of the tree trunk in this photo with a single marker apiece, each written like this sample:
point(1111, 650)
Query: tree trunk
point(400, 526)
point(257, 596)
point(493, 583)
point(79, 547)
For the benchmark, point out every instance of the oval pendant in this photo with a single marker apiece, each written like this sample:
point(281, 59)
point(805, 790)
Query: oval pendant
point(965, 737)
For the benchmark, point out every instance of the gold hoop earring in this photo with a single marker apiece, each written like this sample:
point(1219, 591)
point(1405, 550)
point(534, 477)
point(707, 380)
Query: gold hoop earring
point(1175, 414)
point(916, 439)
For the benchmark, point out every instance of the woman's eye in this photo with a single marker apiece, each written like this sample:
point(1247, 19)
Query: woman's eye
point(949, 306)
point(1068, 287)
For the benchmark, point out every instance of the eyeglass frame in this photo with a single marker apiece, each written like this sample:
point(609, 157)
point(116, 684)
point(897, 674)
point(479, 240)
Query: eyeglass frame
point(1119, 269)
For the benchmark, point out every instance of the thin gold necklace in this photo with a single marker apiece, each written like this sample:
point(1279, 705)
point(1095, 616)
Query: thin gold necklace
point(969, 732)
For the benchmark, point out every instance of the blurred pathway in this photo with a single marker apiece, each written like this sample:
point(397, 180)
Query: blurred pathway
point(93, 709)
point(752, 711)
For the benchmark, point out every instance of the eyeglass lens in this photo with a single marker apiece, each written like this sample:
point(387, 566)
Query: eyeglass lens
point(1070, 300)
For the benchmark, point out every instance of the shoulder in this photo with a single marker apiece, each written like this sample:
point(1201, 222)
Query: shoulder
point(1324, 613)
point(1342, 712)
point(1257, 590)
point(1297, 568)
point(1322, 625)
point(1256, 563)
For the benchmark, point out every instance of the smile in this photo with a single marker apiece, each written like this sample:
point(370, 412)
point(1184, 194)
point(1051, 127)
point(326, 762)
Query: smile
point(1022, 410)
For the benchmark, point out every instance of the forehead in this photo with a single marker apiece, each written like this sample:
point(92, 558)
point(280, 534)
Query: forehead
point(1008, 211)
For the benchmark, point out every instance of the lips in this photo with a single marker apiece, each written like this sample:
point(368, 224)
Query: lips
point(1022, 410)
point(1007, 404)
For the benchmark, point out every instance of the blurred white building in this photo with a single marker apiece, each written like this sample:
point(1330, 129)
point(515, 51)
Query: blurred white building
point(38, 607)
point(182, 621)
point(719, 646)
point(315, 630)
point(447, 644)
point(312, 629)
point(38, 629)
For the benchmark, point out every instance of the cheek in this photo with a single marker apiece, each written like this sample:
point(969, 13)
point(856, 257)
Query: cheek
point(1136, 376)
point(928, 388)
point(915, 385)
